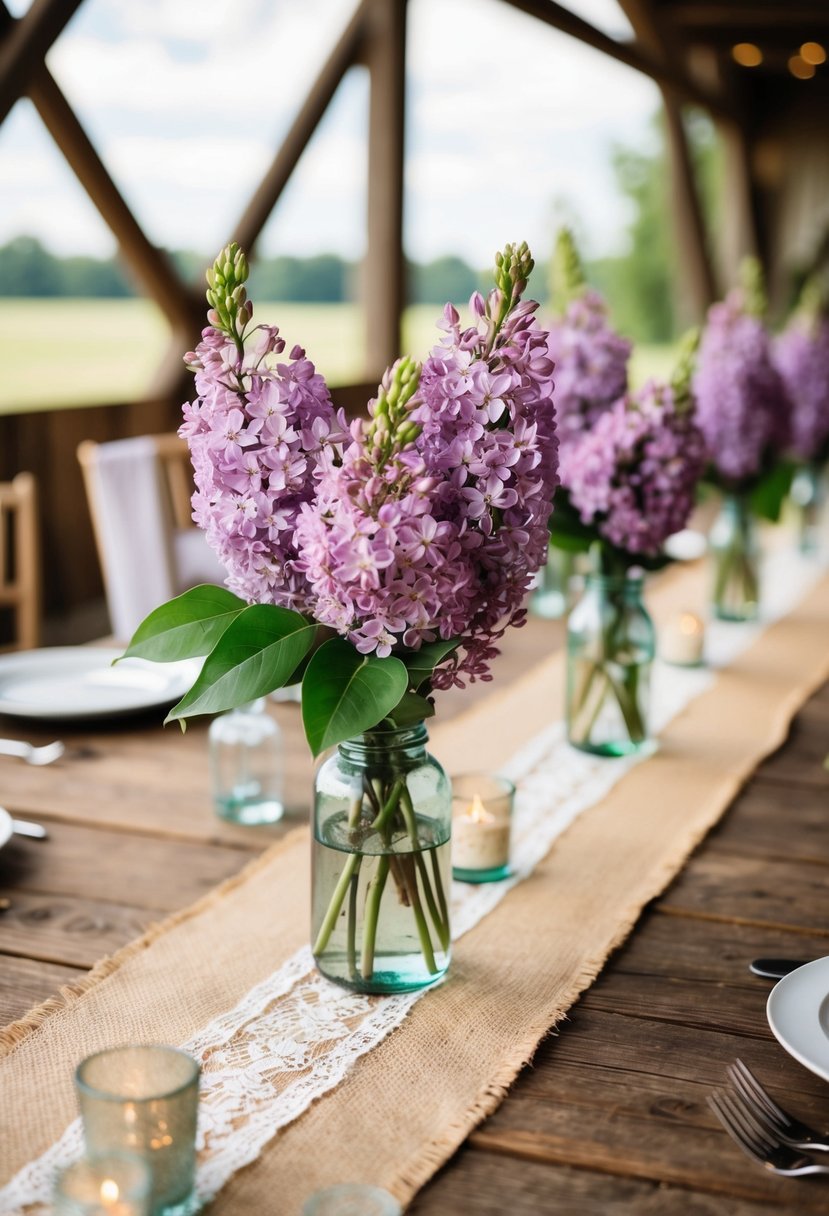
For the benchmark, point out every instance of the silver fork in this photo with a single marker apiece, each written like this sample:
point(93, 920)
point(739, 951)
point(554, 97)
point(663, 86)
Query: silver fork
point(758, 1143)
point(779, 1122)
point(31, 754)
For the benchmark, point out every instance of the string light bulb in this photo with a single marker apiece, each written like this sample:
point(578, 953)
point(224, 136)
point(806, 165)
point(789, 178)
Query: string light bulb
point(813, 53)
point(800, 68)
point(747, 54)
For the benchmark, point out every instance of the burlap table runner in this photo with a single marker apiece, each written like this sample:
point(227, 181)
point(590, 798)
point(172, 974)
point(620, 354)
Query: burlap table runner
point(513, 976)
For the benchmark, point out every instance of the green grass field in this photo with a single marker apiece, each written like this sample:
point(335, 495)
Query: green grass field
point(88, 352)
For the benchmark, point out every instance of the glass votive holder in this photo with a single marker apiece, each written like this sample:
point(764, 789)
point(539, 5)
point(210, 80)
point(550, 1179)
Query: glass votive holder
point(144, 1100)
point(482, 806)
point(682, 640)
point(351, 1199)
point(112, 1184)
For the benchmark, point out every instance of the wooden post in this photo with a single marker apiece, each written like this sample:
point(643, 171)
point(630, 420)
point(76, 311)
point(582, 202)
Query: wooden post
point(384, 281)
point(689, 225)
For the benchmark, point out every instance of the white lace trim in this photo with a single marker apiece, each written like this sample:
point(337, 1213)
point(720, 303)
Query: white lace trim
point(294, 1036)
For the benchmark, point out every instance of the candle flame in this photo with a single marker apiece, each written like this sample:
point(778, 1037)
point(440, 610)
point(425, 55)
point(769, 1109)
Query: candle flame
point(689, 623)
point(109, 1190)
point(477, 811)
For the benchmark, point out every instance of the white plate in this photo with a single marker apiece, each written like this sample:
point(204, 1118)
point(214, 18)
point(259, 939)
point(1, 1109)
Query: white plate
point(798, 1013)
point(70, 683)
point(5, 826)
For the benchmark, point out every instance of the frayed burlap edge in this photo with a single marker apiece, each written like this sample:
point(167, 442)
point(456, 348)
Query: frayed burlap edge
point(12, 1035)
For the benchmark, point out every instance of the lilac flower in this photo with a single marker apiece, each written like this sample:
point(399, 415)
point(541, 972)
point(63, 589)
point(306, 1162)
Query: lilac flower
point(425, 520)
point(633, 476)
point(801, 355)
point(591, 364)
point(741, 405)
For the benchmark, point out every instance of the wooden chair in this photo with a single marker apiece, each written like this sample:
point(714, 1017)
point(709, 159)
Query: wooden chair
point(163, 540)
point(20, 588)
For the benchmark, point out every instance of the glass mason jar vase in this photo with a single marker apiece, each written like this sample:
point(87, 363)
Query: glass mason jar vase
point(735, 556)
point(381, 863)
point(551, 598)
point(610, 648)
point(808, 495)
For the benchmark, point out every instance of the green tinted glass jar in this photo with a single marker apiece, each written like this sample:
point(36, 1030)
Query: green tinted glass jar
point(381, 863)
point(611, 644)
point(735, 559)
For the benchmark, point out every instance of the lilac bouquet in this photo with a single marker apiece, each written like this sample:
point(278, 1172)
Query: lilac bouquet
point(743, 413)
point(591, 358)
point(628, 484)
point(801, 356)
point(376, 561)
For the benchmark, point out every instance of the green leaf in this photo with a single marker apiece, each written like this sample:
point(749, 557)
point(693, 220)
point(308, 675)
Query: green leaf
point(769, 493)
point(421, 663)
point(345, 693)
point(258, 652)
point(566, 528)
point(185, 627)
point(411, 709)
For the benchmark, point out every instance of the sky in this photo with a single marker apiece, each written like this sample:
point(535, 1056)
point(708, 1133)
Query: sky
point(510, 128)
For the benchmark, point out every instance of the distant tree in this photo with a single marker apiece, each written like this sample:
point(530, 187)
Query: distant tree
point(446, 278)
point(89, 277)
point(27, 269)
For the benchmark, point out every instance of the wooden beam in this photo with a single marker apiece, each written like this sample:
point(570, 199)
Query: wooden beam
point(25, 44)
point(772, 17)
point(250, 224)
point(696, 269)
point(562, 19)
point(384, 281)
point(152, 266)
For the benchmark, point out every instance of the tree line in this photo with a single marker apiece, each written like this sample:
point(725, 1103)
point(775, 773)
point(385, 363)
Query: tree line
point(29, 270)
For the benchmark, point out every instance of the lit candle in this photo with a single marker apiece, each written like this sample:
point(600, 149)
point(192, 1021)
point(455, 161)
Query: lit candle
point(113, 1184)
point(481, 824)
point(682, 640)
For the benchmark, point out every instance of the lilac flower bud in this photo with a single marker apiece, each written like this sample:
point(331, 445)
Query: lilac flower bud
point(476, 304)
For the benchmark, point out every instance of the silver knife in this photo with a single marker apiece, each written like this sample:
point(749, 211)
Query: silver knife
point(775, 968)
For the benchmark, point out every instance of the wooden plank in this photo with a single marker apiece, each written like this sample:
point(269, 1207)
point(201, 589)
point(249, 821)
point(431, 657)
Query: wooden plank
point(751, 890)
point(772, 819)
point(25, 983)
point(487, 1184)
point(160, 875)
point(72, 932)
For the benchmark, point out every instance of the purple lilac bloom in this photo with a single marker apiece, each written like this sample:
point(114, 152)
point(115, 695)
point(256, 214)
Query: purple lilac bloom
point(801, 355)
point(741, 405)
point(261, 434)
point(424, 521)
point(634, 475)
point(441, 540)
point(591, 364)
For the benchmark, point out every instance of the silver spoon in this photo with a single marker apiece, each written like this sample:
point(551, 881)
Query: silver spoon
point(31, 754)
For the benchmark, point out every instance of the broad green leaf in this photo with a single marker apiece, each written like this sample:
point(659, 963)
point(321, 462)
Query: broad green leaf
point(185, 627)
point(769, 493)
point(258, 652)
point(345, 693)
point(411, 709)
point(566, 528)
point(421, 663)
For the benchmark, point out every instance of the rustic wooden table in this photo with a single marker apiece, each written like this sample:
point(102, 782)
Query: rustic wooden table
point(611, 1116)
